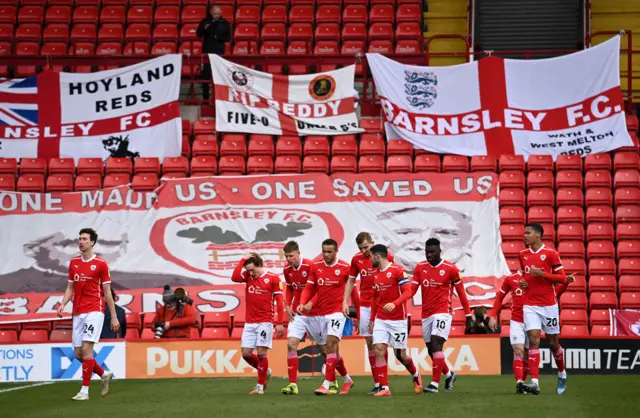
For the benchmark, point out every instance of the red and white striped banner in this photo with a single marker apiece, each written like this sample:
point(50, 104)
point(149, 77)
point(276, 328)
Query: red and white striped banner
point(566, 105)
point(624, 322)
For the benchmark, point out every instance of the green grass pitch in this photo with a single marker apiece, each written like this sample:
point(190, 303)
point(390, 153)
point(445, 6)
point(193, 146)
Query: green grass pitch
point(477, 396)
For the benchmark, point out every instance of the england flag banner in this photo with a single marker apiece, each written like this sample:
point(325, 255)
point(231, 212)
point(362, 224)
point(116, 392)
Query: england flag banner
point(262, 103)
point(193, 232)
point(569, 105)
point(126, 112)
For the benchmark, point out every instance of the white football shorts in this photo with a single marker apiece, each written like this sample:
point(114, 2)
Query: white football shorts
point(391, 332)
point(546, 318)
point(438, 325)
point(87, 327)
point(335, 324)
point(257, 335)
point(298, 327)
point(364, 320)
point(517, 333)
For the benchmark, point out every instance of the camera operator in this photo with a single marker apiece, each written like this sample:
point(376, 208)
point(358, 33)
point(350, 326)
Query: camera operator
point(481, 325)
point(176, 317)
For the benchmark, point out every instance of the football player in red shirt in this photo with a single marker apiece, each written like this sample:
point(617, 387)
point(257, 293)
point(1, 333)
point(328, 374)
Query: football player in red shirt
point(361, 265)
point(89, 285)
point(327, 280)
point(437, 279)
point(542, 270)
point(262, 288)
point(517, 334)
point(388, 325)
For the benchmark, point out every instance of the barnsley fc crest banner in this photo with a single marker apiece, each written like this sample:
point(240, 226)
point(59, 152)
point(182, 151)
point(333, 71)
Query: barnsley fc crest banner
point(263, 103)
point(192, 232)
point(126, 112)
point(566, 105)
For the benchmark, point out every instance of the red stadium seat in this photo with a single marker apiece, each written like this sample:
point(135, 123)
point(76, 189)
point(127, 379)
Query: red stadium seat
point(217, 320)
point(371, 164)
point(165, 33)
point(399, 163)
point(597, 162)
point(512, 248)
point(372, 144)
point(134, 320)
point(603, 300)
point(86, 14)
point(628, 249)
point(33, 183)
point(34, 336)
point(261, 145)
point(573, 300)
point(145, 182)
point(31, 14)
point(56, 32)
point(233, 144)
point(328, 14)
point(512, 215)
point(315, 163)
point(599, 214)
point(629, 283)
point(409, 13)
point(380, 46)
point(6, 34)
point(273, 32)
point(575, 331)
point(203, 166)
point(215, 333)
point(511, 162)
point(569, 196)
point(483, 163)
point(299, 48)
point(260, 164)
point(26, 49)
point(625, 265)
point(599, 231)
point(597, 178)
point(602, 266)
point(90, 181)
point(33, 166)
point(574, 317)
point(60, 335)
point(598, 196)
point(8, 336)
point(540, 197)
point(111, 32)
point(426, 163)
point(119, 165)
point(326, 47)
point(408, 31)
point(8, 13)
point(399, 147)
point(569, 162)
point(231, 165)
point(90, 165)
point(7, 182)
point(540, 162)
point(147, 334)
point(628, 213)
point(147, 165)
point(57, 14)
point(112, 14)
point(274, 14)
point(598, 317)
point(138, 32)
point(455, 163)
point(626, 159)
point(570, 248)
point(540, 178)
point(629, 300)
point(289, 145)
point(602, 249)
point(204, 126)
point(131, 334)
point(630, 231)
point(140, 14)
point(60, 183)
point(382, 13)
point(236, 333)
point(514, 264)
point(541, 214)
point(575, 265)
point(9, 166)
point(511, 197)
point(288, 164)
point(511, 178)
point(344, 145)
point(344, 164)
point(167, 14)
point(571, 231)
point(371, 125)
point(407, 46)
point(626, 195)
point(569, 178)
point(602, 283)
point(626, 178)
point(568, 214)
point(205, 145)
point(301, 14)
point(194, 14)
point(248, 14)
point(173, 165)
point(355, 13)
point(188, 32)
point(29, 32)
point(381, 31)
point(601, 331)
point(117, 179)
point(316, 145)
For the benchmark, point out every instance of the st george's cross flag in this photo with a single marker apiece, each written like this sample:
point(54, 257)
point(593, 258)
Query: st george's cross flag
point(256, 102)
point(126, 112)
point(566, 105)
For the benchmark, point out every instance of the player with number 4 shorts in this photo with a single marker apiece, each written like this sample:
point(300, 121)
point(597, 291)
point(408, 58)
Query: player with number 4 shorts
point(327, 280)
point(542, 270)
point(89, 285)
point(262, 288)
point(437, 278)
point(388, 325)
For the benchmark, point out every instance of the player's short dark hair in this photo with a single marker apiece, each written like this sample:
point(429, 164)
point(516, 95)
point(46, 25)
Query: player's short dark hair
point(432, 241)
point(362, 237)
point(93, 235)
point(536, 227)
point(330, 241)
point(255, 259)
point(291, 246)
point(380, 249)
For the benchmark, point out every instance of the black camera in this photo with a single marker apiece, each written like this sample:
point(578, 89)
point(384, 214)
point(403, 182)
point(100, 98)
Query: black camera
point(182, 297)
point(159, 329)
point(352, 312)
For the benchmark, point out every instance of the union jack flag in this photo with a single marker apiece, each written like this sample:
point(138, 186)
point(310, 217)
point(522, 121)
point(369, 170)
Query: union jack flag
point(19, 102)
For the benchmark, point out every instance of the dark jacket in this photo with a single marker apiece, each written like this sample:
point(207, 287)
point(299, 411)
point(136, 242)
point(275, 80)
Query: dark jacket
point(215, 34)
point(106, 328)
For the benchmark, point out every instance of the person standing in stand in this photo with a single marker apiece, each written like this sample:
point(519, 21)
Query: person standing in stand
point(215, 32)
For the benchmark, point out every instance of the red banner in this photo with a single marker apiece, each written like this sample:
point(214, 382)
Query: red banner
point(625, 323)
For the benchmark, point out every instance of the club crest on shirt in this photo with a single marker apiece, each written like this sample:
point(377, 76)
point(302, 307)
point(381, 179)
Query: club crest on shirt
point(265, 281)
point(442, 272)
point(93, 267)
point(388, 275)
point(304, 274)
point(337, 272)
point(543, 257)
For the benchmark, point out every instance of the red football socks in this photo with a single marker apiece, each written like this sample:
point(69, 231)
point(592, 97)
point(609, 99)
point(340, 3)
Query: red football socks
point(252, 359)
point(408, 364)
point(372, 363)
point(559, 358)
point(534, 363)
point(87, 370)
point(438, 366)
point(263, 366)
point(330, 367)
point(525, 368)
point(381, 372)
point(97, 369)
point(340, 367)
point(292, 367)
point(518, 368)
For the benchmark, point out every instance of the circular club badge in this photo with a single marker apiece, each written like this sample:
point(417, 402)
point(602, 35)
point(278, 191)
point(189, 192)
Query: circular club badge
point(239, 79)
point(322, 87)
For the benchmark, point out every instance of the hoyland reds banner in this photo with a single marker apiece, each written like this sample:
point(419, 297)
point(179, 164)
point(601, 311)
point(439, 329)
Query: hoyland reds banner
point(566, 105)
point(262, 103)
point(192, 232)
point(126, 112)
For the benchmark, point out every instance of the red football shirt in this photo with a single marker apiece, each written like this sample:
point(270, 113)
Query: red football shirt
point(87, 278)
point(386, 287)
point(541, 292)
point(510, 285)
point(361, 265)
point(259, 296)
point(437, 286)
point(296, 279)
point(329, 282)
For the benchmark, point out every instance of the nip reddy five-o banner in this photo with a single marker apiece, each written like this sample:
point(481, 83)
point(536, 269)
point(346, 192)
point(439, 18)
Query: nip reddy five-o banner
point(126, 112)
point(566, 105)
point(192, 232)
point(262, 103)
